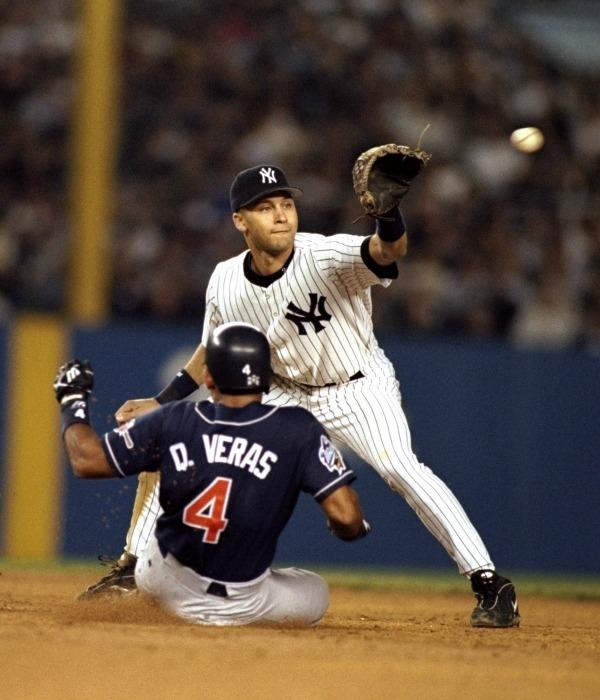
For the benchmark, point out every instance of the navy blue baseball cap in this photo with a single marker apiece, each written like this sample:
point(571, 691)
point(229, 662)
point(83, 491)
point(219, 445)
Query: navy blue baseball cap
point(257, 182)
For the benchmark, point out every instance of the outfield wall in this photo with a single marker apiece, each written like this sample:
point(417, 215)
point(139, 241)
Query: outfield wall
point(516, 435)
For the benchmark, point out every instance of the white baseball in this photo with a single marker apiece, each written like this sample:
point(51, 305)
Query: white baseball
point(529, 139)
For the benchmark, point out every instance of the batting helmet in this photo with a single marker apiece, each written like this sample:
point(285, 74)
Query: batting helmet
point(239, 359)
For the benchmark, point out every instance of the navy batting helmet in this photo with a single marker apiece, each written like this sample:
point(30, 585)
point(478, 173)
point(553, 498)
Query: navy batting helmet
point(239, 359)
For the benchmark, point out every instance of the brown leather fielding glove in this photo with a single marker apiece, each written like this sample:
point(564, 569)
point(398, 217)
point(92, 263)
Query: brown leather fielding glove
point(382, 175)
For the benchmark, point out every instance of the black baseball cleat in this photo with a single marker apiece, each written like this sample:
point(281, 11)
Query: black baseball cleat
point(496, 601)
point(119, 582)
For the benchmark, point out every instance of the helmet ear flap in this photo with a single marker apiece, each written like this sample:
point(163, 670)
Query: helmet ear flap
point(238, 359)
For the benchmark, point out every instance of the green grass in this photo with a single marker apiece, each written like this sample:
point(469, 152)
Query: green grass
point(568, 586)
point(574, 587)
point(77, 565)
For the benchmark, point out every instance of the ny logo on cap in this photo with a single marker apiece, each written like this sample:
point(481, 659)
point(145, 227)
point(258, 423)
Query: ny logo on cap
point(267, 175)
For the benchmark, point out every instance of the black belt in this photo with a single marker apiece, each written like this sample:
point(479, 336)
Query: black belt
point(214, 588)
point(218, 589)
point(358, 375)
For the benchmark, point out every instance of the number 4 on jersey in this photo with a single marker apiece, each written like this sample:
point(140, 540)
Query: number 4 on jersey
point(207, 511)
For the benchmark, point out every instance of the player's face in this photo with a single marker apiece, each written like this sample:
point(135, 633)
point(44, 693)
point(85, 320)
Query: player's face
point(270, 225)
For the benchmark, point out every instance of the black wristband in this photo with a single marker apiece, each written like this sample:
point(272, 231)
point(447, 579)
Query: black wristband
point(365, 528)
point(73, 412)
point(182, 385)
point(391, 226)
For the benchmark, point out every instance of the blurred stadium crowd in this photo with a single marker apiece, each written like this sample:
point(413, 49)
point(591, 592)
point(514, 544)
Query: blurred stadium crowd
point(502, 245)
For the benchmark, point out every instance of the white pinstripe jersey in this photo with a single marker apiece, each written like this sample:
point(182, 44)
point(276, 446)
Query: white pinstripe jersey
point(316, 313)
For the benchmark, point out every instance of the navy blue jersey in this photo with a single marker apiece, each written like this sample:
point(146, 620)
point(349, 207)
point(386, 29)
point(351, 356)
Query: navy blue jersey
point(230, 478)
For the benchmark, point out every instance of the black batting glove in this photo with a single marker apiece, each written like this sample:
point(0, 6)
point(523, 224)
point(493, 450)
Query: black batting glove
point(74, 382)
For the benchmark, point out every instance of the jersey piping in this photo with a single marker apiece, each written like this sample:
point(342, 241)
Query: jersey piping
point(227, 422)
point(332, 483)
point(115, 464)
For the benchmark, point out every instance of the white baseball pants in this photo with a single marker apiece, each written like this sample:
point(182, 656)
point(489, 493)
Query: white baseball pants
point(279, 596)
point(366, 415)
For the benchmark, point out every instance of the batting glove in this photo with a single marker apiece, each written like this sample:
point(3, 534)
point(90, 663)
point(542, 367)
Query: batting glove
point(74, 382)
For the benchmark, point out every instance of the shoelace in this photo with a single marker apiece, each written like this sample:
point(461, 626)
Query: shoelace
point(105, 560)
point(117, 570)
point(487, 593)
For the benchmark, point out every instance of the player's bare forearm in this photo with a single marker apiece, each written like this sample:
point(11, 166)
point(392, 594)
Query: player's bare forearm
point(384, 252)
point(85, 453)
point(344, 513)
point(195, 365)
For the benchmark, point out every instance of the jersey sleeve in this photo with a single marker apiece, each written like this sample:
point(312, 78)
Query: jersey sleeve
point(348, 258)
point(211, 312)
point(324, 469)
point(135, 446)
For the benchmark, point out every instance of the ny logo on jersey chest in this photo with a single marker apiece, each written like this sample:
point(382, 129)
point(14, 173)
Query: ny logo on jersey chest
point(316, 314)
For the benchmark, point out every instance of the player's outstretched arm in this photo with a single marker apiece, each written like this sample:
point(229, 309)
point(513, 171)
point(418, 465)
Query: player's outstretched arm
point(185, 382)
point(344, 514)
point(381, 177)
point(72, 387)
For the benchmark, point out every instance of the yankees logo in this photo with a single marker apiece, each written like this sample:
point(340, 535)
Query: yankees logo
point(267, 175)
point(300, 316)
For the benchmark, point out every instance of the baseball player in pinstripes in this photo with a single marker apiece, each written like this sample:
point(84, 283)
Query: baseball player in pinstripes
point(310, 295)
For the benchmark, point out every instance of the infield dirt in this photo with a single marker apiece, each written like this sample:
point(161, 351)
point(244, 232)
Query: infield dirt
point(374, 643)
